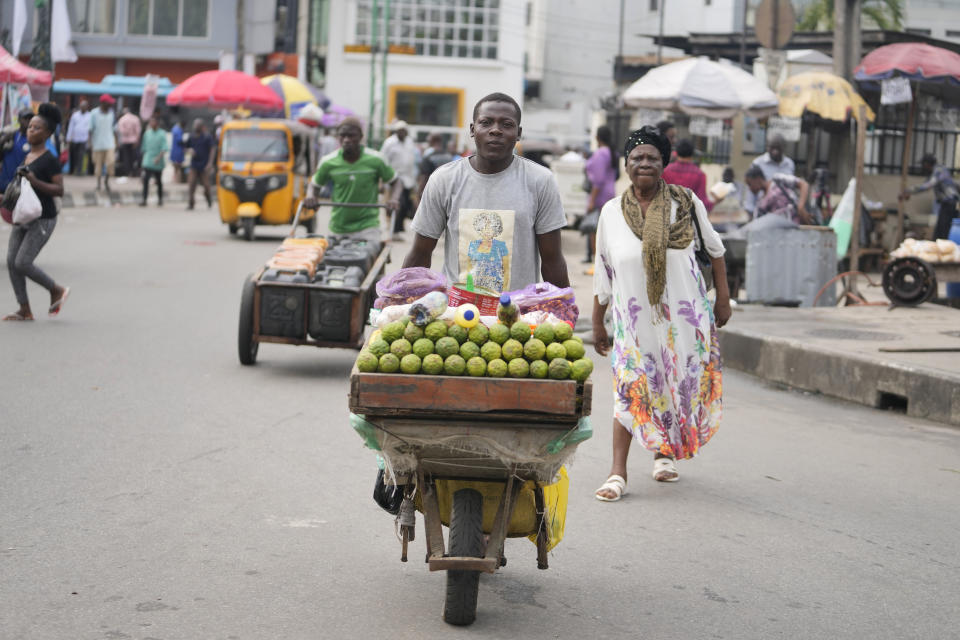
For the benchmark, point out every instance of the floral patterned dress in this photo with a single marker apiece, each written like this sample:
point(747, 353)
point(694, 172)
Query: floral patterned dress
point(667, 373)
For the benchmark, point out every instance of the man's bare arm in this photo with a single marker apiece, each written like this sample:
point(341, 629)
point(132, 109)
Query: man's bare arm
point(421, 254)
point(553, 266)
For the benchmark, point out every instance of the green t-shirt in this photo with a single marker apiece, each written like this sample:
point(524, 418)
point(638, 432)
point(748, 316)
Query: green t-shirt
point(354, 182)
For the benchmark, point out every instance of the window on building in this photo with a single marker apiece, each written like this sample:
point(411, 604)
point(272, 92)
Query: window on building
point(654, 5)
point(94, 16)
point(919, 32)
point(435, 108)
point(952, 33)
point(168, 18)
point(446, 28)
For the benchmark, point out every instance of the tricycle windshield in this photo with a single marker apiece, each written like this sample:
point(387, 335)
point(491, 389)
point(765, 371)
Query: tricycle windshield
point(255, 145)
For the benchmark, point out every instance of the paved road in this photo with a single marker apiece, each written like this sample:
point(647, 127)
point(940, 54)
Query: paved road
point(152, 488)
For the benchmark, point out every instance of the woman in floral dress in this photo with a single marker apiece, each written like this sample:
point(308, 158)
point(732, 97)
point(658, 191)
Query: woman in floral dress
point(665, 355)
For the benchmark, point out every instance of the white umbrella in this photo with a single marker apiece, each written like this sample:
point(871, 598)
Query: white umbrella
point(701, 87)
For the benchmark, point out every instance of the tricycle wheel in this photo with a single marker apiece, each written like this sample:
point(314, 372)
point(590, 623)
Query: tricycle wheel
point(466, 539)
point(248, 225)
point(233, 228)
point(247, 347)
point(311, 224)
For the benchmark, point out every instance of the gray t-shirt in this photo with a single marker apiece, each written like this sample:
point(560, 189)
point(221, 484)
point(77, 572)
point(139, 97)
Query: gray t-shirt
point(490, 222)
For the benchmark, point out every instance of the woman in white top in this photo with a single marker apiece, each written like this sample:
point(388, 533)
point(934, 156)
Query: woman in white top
point(665, 354)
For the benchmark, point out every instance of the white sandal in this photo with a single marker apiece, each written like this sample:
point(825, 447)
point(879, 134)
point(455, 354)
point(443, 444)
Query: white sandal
point(616, 484)
point(664, 470)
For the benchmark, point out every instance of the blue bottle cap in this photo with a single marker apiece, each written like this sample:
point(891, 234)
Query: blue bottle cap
point(505, 299)
point(468, 314)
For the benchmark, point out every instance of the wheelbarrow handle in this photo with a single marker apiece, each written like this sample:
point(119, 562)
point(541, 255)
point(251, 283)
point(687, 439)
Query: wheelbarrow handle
point(350, 205)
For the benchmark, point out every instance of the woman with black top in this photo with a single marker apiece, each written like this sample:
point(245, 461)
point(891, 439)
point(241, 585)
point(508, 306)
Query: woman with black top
point(42, 169)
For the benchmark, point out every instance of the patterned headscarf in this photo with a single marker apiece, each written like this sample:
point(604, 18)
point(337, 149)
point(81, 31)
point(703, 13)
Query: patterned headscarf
point(648, 135)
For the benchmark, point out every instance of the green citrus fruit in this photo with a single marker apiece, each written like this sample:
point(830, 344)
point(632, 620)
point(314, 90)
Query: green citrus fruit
point(511, 350)
point(446, 347)
point(454, 365)
point(559, 369)
point(499, 333)
point(401, 347)
point(389, 363)
point(392, 331)
point(562, 331)
point(460, 334)
point(497, 368)
point(490, 351)
point(379, 347)
point(538, 369)
point(469, 350)
point(477, 367)
point(534, 349)
point(410, 363)
point(518, 368)
point(479, 334)
point(544, 333)
point(367, 362)
point(581, 369)
point(432, 364)
point(556, 350)
point(412, 333)
point(435, 330)
point(423, 347)
point(574, 349)
point(520, 331)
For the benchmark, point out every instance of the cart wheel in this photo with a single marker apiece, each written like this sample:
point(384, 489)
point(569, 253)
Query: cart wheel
point(233, 228)
point(466, 539)
point(248, 225)
point(311, 224)
point(246, 346)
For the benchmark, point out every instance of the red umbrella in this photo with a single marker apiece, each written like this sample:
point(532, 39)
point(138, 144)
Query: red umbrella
point(12, 70)
point(936, 70)
point(910, 60)
point(225, 90)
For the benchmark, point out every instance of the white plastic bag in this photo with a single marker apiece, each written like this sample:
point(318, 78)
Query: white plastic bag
point(28, 206)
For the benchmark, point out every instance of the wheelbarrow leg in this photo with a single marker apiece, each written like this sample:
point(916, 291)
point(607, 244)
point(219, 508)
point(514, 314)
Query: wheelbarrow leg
point(494, 546)
point(431, 516)
point(541, 529)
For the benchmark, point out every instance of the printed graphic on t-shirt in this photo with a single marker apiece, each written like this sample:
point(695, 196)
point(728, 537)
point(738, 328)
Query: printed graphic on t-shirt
point(486, 245)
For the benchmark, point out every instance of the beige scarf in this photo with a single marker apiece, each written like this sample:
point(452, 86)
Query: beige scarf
point(658, 235)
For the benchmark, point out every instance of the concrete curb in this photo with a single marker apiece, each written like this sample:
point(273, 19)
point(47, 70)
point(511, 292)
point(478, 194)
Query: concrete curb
point(923, 393)
point(118, 198)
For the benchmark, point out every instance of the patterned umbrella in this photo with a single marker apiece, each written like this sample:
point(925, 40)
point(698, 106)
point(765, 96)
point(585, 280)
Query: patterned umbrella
point(296, 94)
point(334, 114)
point(824, 94)
point(225, 90)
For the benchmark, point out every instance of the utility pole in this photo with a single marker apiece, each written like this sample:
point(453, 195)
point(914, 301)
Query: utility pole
point(238, 49)
point(374, 42)
point(40, 54)
point(743, 34)
point(383, 75)
point(663, 7)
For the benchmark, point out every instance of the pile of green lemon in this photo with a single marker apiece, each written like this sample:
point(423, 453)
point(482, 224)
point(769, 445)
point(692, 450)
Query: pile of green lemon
point(517, 351)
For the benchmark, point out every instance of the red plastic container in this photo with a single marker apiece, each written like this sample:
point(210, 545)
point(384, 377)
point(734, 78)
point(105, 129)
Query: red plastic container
point(485, 300)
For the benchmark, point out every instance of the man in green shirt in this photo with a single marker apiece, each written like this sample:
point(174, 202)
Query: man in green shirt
point(356, 173)
point(152, 147)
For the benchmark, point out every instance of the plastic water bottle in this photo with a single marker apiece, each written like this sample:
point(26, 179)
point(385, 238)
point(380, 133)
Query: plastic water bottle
point(953, 288)
point(507, 311)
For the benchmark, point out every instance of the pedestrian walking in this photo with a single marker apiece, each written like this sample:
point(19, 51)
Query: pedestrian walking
point(201, 144)
point(14, 148)
point(153, 147)
point(602, 169)
point(78, 138)
point(685, 173)
point(176, 150)
point(41, 168)
point(103, 141)
point(667, 382)
point(945, 193)
point(128, 133)
point(435, 157)
point(399, 151)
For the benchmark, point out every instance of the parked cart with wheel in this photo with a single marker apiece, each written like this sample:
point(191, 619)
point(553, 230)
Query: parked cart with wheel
point(483, 456)
point(314, 291)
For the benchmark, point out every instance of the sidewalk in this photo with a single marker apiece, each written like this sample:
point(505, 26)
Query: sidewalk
point(886, 358)
point(81, 191)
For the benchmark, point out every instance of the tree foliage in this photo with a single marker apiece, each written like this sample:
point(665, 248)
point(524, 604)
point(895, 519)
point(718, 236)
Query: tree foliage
point(885, 14)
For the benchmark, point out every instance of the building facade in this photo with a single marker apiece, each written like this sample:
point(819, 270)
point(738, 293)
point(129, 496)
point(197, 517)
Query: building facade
point(443, 57)
point(171, 38)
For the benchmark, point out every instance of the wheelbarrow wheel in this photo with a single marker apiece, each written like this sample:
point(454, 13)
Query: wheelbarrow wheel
point(248, 224)
point(466, 539)
point(247, 347)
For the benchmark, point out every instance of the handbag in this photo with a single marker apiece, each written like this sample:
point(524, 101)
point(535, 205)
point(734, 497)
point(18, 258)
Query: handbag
point(703, 258)
point(28, 207)
point(9, 201)
point(589, 222)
